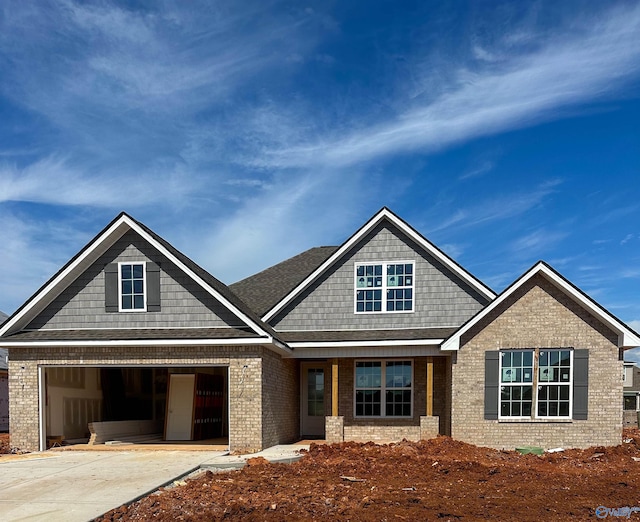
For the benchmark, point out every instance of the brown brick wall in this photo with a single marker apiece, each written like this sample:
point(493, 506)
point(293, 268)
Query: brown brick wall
point(246, 395)
point(538, 315)
point(630, 419)
point(281, 400)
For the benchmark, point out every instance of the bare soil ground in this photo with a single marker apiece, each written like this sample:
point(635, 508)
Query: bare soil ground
point(438, 479)
point(4, 443)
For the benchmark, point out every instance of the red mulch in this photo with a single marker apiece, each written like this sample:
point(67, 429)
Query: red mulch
point(438, 479)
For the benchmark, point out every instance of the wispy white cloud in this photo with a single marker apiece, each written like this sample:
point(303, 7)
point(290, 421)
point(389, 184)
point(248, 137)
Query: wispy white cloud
point(568, 70)
point(288, 216)
point(499, 207)
point(28, 259)
point(537, 242)
point(52, 180)
point(483, 168)
point(628, 238)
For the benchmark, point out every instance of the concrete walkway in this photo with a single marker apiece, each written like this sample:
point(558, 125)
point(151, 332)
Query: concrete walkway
point(78, 486)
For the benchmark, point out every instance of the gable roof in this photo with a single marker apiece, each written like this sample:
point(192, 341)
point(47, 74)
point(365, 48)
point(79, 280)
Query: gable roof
point(383, 214)
point(100, 244)
point(262, 291)
point(626, 336)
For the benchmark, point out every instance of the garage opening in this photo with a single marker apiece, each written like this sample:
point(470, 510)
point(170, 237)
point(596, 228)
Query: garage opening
point(136, 405)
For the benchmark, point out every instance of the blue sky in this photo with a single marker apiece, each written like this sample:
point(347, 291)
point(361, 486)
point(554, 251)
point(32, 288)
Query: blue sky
point(246, 132)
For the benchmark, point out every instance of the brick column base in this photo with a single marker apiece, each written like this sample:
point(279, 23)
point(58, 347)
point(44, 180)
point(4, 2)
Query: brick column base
point(429, 427)
point(334, 429)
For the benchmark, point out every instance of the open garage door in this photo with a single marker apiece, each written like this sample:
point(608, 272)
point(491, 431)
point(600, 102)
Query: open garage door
point(135, 399)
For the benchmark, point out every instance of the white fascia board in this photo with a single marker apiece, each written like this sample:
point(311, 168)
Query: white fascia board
point(241, 315)
point(630, 340)
point(97, 248)
point(365, 344)
point(44, 297)
point(626, 337)
point(268, 343)
point(366, 352)
point(407, 229)
point(135, 342)
point(440, 256)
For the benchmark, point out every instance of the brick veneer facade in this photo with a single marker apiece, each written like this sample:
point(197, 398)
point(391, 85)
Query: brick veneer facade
point(537, 315)
point(262, 407)
point(281, 400)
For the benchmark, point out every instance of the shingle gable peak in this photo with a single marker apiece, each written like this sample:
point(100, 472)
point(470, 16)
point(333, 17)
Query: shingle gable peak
point(121, 224)
point(384, 214)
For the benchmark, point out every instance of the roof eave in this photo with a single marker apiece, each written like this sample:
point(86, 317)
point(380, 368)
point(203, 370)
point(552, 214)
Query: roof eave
point(365, 344)
point(270, 343)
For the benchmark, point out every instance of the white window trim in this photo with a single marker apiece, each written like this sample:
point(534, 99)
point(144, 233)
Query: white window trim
point(384, 287)
point(535, 387)
point(570, 384)
point(383, 389)
point(144, 286)
point(501, 384)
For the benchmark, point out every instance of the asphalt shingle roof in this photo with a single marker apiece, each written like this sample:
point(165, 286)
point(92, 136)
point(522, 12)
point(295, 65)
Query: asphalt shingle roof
point(264, 290)
point(216, 284)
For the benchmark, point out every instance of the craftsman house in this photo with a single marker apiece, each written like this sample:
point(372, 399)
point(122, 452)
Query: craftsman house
point(382, 338)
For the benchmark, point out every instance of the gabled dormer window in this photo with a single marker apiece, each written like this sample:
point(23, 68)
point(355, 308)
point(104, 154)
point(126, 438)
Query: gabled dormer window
point(132, 287)
point(384, 287)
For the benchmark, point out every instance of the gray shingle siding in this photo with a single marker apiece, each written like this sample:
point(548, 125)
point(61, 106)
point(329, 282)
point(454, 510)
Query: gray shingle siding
point(183, 302)
point(441, 298)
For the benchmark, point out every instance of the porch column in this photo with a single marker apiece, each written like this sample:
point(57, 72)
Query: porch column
point(334, 387)
point(429, 386)
point(334, 424)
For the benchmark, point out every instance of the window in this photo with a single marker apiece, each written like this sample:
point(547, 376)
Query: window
point(384, 287)
point(554, 383)
point(516, 379)
point(383, 388)
point(535, 383)
point(631, 402)
point(132, 287)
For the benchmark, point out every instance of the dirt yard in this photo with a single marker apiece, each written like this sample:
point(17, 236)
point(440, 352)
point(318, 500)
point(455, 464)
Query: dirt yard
point(4, 443)
point(438, 479)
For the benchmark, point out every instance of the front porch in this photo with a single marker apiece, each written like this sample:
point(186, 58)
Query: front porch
point(380, 400)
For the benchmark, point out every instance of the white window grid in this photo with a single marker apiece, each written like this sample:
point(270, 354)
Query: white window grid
point(381, 283)
point(382, 388)
point(144, 286)
point(541, 381)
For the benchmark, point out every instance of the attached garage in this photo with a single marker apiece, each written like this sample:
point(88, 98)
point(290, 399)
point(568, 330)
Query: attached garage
point(167, 403)
point(108, 337)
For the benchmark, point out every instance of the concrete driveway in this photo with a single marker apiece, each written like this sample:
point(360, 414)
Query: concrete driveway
point(81, 485)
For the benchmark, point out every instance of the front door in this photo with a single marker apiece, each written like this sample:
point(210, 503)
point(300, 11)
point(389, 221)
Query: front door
point(312, 400)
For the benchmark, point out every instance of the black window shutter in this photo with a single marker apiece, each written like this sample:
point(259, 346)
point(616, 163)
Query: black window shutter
point(580, 384)
point(153, 287)
point(491, 384)
point(111, 287)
